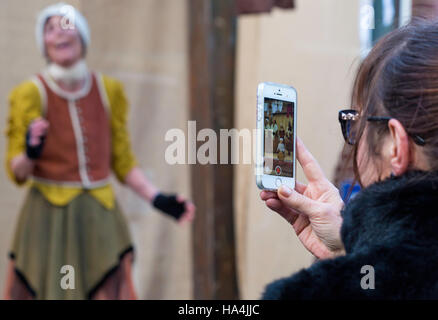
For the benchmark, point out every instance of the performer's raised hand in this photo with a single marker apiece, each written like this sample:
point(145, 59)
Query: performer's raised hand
point(35, 138)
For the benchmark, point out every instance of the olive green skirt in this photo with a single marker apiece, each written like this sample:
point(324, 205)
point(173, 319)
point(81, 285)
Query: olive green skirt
point(83, 236)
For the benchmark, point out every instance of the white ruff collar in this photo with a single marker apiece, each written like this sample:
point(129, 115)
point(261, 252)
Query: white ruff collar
point(68, 76)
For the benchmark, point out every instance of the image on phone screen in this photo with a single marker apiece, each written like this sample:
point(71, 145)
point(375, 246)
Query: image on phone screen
point(279, 137)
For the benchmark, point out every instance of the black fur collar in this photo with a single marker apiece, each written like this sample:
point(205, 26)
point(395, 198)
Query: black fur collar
point(397, 209)
point(391, 226)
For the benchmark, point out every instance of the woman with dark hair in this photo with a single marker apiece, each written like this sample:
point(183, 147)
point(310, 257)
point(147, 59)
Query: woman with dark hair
point(382, 244)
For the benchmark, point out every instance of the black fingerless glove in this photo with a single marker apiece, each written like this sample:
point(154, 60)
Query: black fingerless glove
point(34, 152)
point(169, 205)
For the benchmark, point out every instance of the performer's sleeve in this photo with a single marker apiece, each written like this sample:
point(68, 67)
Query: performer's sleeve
point(24, 106)
point(122, 157)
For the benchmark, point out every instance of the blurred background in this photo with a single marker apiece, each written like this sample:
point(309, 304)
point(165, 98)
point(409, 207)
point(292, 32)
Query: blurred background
point(313, 45)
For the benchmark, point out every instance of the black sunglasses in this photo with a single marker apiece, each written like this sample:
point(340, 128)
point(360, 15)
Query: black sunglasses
point(347, 119)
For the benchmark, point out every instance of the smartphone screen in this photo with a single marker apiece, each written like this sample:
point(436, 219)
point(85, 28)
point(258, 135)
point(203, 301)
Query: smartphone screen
point(279, 137)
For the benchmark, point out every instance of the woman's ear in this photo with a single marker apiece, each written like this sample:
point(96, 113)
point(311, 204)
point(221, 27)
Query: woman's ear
point(399, 155)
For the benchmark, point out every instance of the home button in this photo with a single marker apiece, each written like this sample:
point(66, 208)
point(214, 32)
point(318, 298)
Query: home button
point(278, 182)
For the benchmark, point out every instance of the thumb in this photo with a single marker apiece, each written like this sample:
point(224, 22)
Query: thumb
point(297, 201)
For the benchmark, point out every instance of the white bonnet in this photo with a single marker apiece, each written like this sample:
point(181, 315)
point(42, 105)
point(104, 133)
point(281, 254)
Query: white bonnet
point(61, 9)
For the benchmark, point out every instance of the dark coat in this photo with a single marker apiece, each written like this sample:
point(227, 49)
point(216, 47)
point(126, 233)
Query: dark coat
point(391, 226)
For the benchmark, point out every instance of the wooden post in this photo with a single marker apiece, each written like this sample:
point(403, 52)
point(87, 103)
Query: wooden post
point(212, 39)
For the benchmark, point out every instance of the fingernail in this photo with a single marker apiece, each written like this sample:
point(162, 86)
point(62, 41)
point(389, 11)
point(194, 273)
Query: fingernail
point(285, 191)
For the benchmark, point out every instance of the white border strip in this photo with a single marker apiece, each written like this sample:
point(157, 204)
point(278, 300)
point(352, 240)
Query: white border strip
point(82, 160)
point(405, 12)
point(84, 91)
point(103, 93)
point(43, 94)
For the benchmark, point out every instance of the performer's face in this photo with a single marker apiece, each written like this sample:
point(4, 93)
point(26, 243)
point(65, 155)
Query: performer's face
point(63, 45)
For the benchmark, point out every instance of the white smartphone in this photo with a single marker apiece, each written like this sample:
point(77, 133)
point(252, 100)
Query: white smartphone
point(276, 135)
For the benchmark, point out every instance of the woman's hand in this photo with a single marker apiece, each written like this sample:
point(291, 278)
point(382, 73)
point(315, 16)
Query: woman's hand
point(313, 210)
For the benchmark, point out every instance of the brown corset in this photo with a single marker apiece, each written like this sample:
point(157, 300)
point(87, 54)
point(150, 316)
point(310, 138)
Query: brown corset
point(77, 148)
